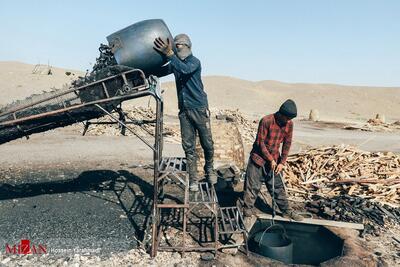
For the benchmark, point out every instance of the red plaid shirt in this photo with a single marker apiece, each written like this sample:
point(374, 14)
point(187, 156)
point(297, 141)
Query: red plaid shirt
point(268, 141)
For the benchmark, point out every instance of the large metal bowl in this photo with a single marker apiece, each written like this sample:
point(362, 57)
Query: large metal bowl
point(133, 45)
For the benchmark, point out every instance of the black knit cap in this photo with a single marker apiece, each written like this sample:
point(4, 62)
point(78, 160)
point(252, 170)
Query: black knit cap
point(288, 109)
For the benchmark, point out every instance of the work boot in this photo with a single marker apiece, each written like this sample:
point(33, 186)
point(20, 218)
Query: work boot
point(248, 212)
point(212, 178)
point(291, 214)
point(194, 186)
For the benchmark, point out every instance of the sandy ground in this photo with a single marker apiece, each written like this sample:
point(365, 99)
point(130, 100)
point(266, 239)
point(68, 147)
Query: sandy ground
point(18, 82)
point(68, 146)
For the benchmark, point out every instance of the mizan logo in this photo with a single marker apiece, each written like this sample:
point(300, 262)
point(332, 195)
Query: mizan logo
point(26, 247)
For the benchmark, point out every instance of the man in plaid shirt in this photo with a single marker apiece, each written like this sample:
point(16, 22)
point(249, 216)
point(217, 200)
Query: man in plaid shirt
point(266, 161)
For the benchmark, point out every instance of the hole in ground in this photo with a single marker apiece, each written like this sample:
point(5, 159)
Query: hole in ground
point(312, 244)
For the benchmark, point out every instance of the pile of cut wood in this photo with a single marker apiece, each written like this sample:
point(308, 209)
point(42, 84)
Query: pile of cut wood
point(137, 114)
point(247, 128)
point(338, 170)
point(375, 126)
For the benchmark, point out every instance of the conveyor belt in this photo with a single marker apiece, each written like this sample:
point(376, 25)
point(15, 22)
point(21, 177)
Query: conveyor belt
point(62, 108)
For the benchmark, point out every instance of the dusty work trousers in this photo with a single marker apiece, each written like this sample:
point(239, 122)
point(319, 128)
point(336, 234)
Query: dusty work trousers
point(194, 121)
point(255, 176)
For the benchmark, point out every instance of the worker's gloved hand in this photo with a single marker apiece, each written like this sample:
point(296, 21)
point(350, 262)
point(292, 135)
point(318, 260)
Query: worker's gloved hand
point(279, 168)
point(163, 47)
point(273, 165)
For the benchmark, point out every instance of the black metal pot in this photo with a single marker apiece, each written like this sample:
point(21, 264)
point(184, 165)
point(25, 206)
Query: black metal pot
point(133, 45)
point(275, 244)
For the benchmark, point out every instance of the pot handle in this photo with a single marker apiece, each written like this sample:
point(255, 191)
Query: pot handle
point(271, 227)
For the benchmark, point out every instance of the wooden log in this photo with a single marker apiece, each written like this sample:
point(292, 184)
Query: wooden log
point(365, 181)
point(321, 222)
point(315, 181)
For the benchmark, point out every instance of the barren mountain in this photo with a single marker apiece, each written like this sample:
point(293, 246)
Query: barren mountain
point(334, 102)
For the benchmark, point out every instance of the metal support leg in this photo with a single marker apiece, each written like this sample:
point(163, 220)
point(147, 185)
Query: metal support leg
point(157, 159)
point(127, 127)
point(121, 118)
point(86, 127)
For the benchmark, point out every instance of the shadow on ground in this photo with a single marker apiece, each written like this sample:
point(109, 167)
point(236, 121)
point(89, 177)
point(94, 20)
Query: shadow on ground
point(134, 194)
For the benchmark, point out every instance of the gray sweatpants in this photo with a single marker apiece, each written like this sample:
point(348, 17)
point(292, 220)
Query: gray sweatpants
point(255, 176)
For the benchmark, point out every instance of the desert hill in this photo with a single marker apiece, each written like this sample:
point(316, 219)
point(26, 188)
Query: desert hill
point(334, 102)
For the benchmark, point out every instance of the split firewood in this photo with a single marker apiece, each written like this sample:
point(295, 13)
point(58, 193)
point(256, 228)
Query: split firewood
point(336, 170)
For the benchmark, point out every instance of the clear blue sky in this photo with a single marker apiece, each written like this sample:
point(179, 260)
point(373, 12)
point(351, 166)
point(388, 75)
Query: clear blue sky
point(339, 41)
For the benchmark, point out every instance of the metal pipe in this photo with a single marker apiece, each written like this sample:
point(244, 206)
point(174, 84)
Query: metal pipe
point(180, 248)
point(177, 206)
point(126, 126)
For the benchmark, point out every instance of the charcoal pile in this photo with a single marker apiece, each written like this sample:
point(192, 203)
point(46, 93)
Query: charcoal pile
point(347, 208)
point(99, 74)
point(105, 59)
point(345, 170)
point(105, 66)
